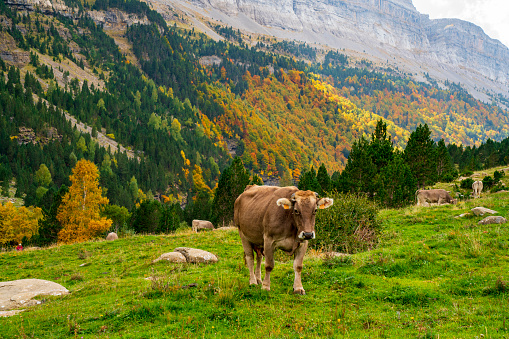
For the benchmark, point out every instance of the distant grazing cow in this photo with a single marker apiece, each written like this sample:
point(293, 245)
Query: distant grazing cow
point(477, 187)
point(436, 196)
point(200, 225)
point(270, 217)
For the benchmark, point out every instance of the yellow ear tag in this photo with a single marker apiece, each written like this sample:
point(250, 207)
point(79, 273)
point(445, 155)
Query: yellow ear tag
point(321, 206)
point(286, 207)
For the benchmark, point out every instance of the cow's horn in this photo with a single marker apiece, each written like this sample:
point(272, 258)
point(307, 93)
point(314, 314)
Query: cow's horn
point(317, 195)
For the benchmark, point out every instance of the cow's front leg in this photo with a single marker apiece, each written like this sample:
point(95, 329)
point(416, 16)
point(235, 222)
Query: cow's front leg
point(269, 262)
point(297, 267)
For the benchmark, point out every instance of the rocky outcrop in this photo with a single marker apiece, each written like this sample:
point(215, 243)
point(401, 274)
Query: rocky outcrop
point(44, 6)
point(116, 19)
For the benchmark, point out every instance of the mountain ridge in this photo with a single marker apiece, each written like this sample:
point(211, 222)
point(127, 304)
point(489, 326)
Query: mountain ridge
point(387, 32)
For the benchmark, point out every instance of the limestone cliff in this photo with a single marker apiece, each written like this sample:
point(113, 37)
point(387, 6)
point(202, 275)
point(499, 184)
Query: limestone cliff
point(390, 31)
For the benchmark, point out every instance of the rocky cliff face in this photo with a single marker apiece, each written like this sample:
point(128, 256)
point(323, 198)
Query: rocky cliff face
point(384, 29)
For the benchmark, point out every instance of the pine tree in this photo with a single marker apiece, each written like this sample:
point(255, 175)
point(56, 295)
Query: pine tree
point(445, 167)
point(360, 171)
point(323, 179)
point(420, 155)
point(380, 148)
point(79, 211)
point(396, 184)
point(308, 181)
point(49, 225)
point(232, 183)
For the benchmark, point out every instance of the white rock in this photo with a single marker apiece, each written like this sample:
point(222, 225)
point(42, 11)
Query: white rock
point(493, 220)
point(194, 255)
point(172, 257)
point(18, 293)
point(482, 211)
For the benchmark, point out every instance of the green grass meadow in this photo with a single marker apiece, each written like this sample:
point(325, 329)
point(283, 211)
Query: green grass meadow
point(432, 276)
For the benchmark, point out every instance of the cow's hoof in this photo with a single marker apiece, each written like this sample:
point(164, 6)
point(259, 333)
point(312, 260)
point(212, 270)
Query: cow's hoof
point(299, 291)
point(265, 288)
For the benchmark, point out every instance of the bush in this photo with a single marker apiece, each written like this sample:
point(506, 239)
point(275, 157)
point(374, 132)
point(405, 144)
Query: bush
point(350, 225)
point(467, 183)
point(449, 177)
point(498, 175)
point(487, 182)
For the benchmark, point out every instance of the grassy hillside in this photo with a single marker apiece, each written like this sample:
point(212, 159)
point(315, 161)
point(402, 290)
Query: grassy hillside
point(433, 275)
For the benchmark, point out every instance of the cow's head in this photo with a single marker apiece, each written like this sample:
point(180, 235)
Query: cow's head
point(304, 205)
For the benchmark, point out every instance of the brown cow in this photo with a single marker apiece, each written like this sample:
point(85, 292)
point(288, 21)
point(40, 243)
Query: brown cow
point(270, 217)
point(438, 196)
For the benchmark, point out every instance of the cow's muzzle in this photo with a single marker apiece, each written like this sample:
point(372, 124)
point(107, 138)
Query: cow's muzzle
point(306, 235)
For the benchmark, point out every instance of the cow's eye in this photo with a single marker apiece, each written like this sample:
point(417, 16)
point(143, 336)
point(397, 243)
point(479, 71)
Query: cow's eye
point(314, 212)
point(297, 212)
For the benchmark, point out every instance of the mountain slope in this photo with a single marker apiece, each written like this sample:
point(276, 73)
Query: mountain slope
point(387, 32)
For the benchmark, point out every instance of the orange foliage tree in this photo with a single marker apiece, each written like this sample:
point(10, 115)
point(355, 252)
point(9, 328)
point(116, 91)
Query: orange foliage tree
point(79, 211)
point(16, 223)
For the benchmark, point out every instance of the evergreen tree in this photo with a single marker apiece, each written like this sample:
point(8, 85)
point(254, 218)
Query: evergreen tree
point(49, 225)
point(420, 155)
point(323, 180)
point(145, 218)
point(380, 148)
point(360, 171)
point(309, 181)
point(232, 183)
point(396, 184)
point(445, 168)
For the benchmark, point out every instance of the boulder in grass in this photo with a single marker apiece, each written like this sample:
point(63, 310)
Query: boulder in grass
point(493, 220)
point(20, 293)
point(482, 211)
point(112, 236)
point(201, 225)
point(175, 257)
point(194, 255)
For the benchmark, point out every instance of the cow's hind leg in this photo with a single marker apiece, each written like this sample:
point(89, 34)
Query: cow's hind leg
point(297, 267)
point(249, 257)
point(258, 271)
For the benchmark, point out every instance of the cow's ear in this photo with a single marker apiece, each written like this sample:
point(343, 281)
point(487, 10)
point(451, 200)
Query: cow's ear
point(325, 203)
point(287, 204)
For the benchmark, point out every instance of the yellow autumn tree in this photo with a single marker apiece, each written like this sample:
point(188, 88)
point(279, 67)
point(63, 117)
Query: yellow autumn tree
point(17, 223)
point(79, 210)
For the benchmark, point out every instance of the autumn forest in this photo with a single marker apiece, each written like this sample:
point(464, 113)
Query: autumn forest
point(196, 133)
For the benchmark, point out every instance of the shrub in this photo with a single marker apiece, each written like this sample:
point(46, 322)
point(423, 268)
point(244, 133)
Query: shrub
point(498, 175)
point(350, 225)
point(487, 182)
point(467, 183)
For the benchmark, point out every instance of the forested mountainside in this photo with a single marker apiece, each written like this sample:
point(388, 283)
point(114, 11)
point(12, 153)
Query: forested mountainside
point(151, 89)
